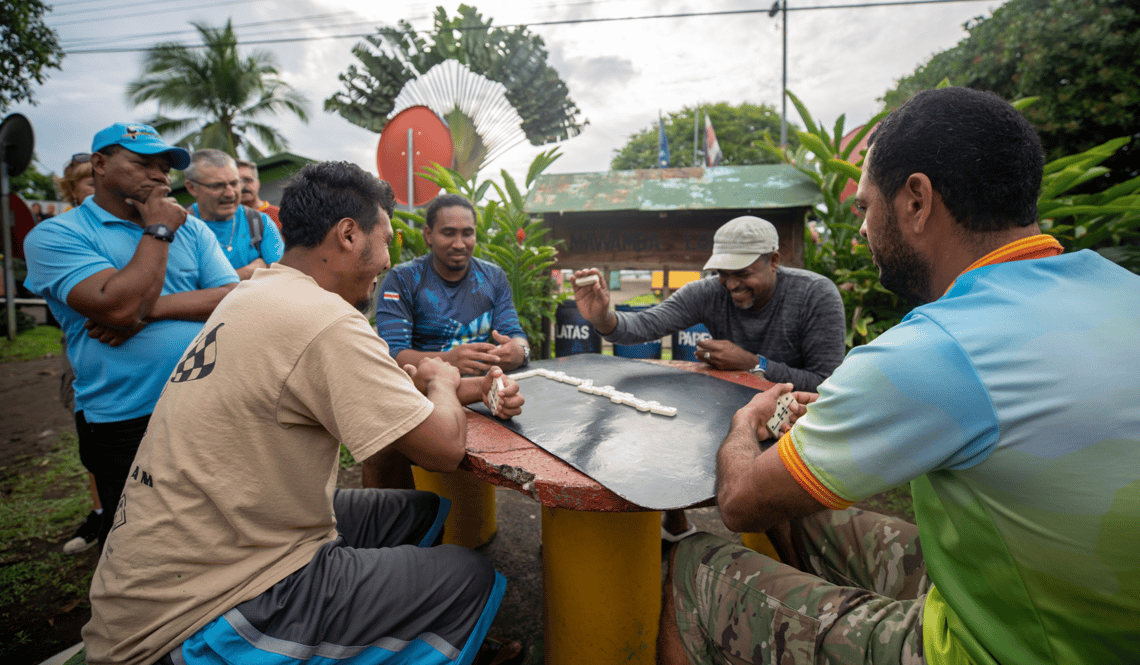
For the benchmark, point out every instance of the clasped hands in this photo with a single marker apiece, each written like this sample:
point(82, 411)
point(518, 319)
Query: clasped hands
point(478, 357)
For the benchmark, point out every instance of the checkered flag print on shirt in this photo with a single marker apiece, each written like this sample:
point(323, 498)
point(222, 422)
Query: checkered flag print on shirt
point(199, 359)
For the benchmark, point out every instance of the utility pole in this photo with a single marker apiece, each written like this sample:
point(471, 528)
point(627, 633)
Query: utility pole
point(777, 7)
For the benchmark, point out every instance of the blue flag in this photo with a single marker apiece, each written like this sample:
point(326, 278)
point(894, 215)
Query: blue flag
point(662, 145)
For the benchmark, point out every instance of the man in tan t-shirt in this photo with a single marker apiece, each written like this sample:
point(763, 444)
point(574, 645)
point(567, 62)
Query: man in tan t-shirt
point(231, 543)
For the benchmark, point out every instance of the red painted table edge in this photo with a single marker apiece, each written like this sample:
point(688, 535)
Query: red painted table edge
point(501, 457)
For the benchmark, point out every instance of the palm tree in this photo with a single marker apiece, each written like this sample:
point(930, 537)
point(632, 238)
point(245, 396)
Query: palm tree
point(224, 92)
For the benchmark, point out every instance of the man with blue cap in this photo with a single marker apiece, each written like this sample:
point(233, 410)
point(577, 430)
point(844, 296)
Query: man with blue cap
point(130, 277)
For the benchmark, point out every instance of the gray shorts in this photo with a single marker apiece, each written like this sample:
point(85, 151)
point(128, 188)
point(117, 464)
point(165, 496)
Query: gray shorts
point(380, 593)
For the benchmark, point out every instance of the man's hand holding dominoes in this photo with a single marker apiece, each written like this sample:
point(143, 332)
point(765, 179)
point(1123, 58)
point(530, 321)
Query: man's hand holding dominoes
point(772, 412)
point(501, 394)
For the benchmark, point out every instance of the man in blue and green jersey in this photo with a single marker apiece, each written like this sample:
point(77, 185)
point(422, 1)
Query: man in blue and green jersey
point(1009, 400)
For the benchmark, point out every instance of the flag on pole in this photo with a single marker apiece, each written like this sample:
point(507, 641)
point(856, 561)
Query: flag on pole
point(713, 155)
point(662, 145)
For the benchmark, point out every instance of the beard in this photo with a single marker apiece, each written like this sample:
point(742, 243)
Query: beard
point(365, 259)
point(901, 269)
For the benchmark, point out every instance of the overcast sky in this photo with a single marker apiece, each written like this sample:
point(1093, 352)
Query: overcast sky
point(620, 73)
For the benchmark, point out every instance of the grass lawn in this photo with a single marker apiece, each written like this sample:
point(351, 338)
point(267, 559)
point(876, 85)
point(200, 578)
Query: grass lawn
point(30, 344)
point(44, 498)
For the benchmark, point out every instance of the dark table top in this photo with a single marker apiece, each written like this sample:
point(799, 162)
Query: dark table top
point(573, 450)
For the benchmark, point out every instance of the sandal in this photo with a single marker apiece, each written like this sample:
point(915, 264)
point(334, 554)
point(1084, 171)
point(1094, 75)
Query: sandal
point(500, 652)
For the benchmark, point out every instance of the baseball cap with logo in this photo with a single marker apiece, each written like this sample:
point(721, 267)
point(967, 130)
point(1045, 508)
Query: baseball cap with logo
point(740, 242)
point(142, 139)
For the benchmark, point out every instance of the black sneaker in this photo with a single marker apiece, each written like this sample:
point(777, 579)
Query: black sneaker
point(85, 536)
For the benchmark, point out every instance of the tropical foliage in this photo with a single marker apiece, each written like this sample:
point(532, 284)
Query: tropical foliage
point(1107, 221)
point(1078, 56)
point(512, 56)
point(504, 234)
point(738, 130)
point(34, 186)
point(840, 252)
point(225, 93)
point(28, 47)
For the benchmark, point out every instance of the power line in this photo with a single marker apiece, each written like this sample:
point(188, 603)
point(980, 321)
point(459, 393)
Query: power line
point(113, 7)
point(734, 12)
point(80, 41)
point(149, 13)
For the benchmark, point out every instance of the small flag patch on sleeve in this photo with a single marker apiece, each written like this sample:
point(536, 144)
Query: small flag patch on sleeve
point(391, 295)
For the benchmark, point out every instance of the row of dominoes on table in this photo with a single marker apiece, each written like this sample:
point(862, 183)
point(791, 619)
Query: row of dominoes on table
point(775, 423)
point(587, 386)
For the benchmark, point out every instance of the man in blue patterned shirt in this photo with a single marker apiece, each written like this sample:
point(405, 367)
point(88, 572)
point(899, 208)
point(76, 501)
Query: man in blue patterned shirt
point(446, 304)
point(449, 304)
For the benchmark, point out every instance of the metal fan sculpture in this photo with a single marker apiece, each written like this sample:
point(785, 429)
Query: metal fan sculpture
point(482, 122)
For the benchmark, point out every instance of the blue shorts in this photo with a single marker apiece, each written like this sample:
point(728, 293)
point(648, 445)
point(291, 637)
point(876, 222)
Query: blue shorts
point(379, 593)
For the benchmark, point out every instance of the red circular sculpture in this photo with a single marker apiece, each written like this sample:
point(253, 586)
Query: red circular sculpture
point(431, 143)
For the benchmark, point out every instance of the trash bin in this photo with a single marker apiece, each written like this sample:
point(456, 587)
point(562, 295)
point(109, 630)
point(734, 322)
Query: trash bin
point(685, 341)
point(573, 334)
point(651, 349)
point(615, 280)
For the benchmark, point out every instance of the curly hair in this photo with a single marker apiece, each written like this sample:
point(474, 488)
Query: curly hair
point(73, 173)
point(322, 194)
point(982, 156)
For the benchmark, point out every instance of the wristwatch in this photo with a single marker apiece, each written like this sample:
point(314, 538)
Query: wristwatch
point(160, 231)
point(526, 354)
point(761, 365)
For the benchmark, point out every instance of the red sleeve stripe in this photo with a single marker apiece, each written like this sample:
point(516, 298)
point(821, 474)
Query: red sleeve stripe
point(791, 459)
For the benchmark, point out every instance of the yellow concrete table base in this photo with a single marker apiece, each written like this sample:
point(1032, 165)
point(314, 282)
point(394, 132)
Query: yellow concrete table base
point(601, 586)
point(471, 522)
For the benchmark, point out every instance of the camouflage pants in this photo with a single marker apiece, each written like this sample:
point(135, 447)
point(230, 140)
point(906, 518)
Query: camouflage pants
point(860, 601)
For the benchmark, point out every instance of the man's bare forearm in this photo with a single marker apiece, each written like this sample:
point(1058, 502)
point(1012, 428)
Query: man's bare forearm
point(414, 357)
point(245, 272)
point(124, 298)
point(189, 305)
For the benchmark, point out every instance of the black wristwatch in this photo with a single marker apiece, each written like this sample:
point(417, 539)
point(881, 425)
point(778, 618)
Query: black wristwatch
point(160, 231)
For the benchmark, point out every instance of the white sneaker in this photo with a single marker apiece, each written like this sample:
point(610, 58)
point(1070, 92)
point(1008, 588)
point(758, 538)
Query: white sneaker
point(86, 536)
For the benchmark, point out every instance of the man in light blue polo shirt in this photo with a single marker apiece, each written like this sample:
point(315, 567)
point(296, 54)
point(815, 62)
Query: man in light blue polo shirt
point(130, 277)
point(249, 239)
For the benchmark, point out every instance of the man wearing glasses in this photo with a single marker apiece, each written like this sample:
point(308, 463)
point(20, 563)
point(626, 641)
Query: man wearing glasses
point(130, 277)
point(249, 239)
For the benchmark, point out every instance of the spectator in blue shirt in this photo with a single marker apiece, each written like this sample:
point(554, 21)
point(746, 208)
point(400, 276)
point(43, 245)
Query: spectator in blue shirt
point(130, 277)
point(249, 239)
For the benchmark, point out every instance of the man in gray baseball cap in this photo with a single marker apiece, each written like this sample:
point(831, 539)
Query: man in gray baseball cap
point(784, 324)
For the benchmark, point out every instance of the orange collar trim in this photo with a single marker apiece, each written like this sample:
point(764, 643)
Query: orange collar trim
point(1036, 246)
point(264, 206)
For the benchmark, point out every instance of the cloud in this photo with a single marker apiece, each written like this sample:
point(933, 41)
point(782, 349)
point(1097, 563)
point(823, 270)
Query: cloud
point(619, 73)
